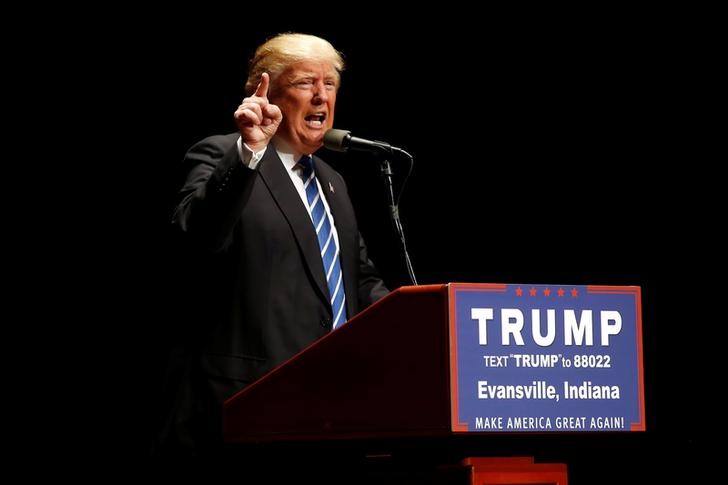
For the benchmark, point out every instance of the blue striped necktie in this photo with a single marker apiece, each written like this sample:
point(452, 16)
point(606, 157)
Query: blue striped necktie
point(327, 242)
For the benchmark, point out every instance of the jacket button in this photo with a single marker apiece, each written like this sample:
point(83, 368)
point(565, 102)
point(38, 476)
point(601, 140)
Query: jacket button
point(325, 322)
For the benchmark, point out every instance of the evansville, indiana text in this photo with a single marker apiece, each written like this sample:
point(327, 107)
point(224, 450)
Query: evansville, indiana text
point(535, 390)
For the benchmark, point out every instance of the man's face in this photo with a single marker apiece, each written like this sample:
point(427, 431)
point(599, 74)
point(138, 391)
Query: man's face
point(306, 95)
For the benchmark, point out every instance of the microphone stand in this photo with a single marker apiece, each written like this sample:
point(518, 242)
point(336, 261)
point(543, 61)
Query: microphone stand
point(386, 169)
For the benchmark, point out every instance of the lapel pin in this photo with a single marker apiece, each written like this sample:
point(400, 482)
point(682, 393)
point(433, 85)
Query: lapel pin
point(331, 188)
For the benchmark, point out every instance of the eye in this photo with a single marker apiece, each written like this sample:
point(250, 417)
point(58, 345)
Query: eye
point(303, 83)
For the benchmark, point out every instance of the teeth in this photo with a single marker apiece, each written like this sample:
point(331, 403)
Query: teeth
point(315, 120)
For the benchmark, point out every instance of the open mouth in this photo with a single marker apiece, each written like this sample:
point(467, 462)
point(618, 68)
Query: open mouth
point(315, 120)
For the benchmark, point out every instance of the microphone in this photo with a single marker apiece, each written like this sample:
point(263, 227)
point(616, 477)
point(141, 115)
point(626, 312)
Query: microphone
point(342, 141)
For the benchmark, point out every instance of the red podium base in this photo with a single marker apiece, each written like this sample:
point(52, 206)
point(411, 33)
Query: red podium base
point(515, 471)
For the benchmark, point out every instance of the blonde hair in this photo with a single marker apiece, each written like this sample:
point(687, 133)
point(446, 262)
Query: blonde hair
point(280, 52)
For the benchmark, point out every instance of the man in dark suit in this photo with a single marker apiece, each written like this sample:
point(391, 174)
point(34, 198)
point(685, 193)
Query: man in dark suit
point(248, 213)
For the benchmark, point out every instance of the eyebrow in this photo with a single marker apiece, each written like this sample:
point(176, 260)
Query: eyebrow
point(310, 75)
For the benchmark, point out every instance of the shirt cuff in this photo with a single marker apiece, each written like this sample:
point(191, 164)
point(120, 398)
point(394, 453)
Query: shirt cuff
point(250, 158)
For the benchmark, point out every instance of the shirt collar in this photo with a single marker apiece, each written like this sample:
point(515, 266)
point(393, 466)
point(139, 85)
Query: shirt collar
point(286, 153)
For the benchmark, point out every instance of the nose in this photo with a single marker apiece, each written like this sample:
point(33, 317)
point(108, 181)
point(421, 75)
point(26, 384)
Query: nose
point(320, 94)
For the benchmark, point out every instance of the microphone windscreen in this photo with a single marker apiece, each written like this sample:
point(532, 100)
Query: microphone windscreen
point(334, 140)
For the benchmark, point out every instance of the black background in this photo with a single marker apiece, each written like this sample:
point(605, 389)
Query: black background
point(535, 142)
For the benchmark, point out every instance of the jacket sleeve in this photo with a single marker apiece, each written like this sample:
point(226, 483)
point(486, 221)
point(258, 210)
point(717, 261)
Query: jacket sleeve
point(371, 286)
point(216, 187)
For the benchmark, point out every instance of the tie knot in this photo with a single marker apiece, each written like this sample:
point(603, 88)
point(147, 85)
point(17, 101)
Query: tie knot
point(306, 163)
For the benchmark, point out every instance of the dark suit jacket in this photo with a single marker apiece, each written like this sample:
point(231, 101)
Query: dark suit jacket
point(264, 292)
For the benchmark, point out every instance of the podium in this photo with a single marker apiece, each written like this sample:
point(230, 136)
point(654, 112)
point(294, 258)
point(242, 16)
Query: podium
point(384, 374)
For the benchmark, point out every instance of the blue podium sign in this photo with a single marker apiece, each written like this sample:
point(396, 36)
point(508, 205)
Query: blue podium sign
point(546, 358)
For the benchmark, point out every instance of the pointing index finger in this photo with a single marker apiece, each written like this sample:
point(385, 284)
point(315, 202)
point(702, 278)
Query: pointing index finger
point(262, 89)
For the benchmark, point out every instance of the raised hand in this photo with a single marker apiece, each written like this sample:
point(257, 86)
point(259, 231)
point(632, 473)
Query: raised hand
point(257, 118)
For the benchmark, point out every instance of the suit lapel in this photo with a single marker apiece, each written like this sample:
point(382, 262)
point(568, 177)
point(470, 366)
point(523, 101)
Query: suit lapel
point(274, 175)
